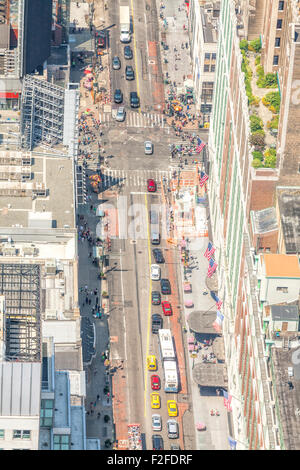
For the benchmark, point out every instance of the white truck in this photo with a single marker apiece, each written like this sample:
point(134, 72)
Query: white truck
point(124, 24)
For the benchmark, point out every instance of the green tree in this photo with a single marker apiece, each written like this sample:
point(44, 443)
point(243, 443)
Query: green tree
point(244, 45)
point(255, 45)
point(255, 123)
point(257, 163)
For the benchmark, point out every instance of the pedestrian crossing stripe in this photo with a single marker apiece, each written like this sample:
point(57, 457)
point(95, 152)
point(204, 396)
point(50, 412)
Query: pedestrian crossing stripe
point(136, 119)
point(133, 178)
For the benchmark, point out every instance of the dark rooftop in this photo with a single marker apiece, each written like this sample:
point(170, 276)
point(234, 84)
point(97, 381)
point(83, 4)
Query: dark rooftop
point(288, 397)
point(285, 312)
point(289, 207)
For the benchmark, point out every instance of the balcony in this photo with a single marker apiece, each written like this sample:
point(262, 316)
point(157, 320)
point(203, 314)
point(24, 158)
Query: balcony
point(264, 105)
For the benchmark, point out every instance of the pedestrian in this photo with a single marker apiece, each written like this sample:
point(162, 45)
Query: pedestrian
point(98, 415)
point(98, 397)
point(95, 403)
point(92, 411)
point(86, 300)
point(90, 301)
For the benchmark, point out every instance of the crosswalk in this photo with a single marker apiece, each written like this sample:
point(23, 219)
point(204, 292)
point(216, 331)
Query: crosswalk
point(134, 179)
point(136, 119)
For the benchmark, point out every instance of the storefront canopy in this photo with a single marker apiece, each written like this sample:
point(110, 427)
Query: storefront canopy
point(202, 321)
point(210, 375)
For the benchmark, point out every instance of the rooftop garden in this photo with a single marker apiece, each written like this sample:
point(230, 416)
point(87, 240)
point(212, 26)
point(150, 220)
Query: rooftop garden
point(264, 105)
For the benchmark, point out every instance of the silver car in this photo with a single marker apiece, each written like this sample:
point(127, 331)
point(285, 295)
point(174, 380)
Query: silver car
point(116, 63)
point(121, 114)
point(148, 147)
point(156, 423)
point(172, 427)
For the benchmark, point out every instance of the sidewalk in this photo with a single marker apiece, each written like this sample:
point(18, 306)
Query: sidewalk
point(216, 435)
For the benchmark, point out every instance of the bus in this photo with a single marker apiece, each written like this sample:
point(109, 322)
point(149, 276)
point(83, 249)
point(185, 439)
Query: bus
point(168, 357)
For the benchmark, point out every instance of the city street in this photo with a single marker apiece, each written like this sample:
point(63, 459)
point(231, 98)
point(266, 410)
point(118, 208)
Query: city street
point(115, 150)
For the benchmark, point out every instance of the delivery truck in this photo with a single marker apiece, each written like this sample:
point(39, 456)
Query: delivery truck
point(124, 24)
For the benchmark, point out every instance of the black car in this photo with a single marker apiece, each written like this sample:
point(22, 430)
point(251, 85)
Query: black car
point(158, 256)
point(155, 297)
point(118, 96)
point(134, 100)
point(165, 286)
point(129, 73)
point(157, 442)
point(128, 52)
point(157, 322)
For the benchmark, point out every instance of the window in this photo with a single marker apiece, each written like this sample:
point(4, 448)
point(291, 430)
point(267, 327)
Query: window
point(61, 442)
point(212, 68)
point(2, 433)
point(207, 56)
point(280, 5)
point(284, 290)
point(19, 434)
point(206, 68)
point(277, 42)
point(279, 24)
point(46, 413)
point(214, 56)
point(275, 59)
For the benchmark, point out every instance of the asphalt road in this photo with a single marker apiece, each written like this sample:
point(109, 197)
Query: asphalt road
point(129, 273)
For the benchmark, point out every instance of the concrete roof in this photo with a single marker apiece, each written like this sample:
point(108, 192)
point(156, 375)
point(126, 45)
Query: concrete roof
point(285, 312)
point(62, 418)
point(56, 174)
point(289, 207)
point(78, 431)
point(20, 388)
point(210, 375)
point(278, 265)
point(202, 321)
point(66, 332)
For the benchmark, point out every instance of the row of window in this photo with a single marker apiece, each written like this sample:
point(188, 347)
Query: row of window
point(17, 434)
point(209, 68)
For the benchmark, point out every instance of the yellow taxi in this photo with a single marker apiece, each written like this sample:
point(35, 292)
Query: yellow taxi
point(172, 408)
point(151, 363)
point(155, 400)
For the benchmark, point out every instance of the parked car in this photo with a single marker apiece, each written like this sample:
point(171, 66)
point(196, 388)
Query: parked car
point(148, 147)
point(155, 272)
point(116, 63)
point(118, 96)
point(129, 72)
point(158, 256)
point(157, 323)
point(155, 382)
point(172, 408)
point(167, 309)
point(156, 422)
point(121, 114)
point(157, 442)
point(165, 286)
point(128, 52)
point(151, 185)
point(155, 400)
point(134, 100)
point(155, 297)
point(172, 428)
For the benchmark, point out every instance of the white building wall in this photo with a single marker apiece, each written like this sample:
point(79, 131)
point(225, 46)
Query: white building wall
point(270, 295)
point(11, 423)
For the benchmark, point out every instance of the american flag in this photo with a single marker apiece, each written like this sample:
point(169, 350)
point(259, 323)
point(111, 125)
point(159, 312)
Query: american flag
point(227, 400)
point(200, 146)
point(211, 268)
point(218, 303)
point(217, 324)
point(209, 251)
point(203, 178)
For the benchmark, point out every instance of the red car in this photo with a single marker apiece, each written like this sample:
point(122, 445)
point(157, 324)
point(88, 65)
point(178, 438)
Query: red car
point(151, 186)
point(167, 309)
point(155, 382)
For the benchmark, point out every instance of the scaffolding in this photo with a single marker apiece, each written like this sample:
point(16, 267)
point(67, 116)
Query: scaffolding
point(20, 285)
point(42, 113)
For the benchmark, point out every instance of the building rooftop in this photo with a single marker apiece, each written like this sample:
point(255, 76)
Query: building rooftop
point(264, 220)
point(278, 265)
point(209, 21)
point(78, 431)
point(288, 398)
point(42, 189)
point(20, 388)
point(289, 208)
point(59, 55)
point(285, 312)
point(62, 401)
